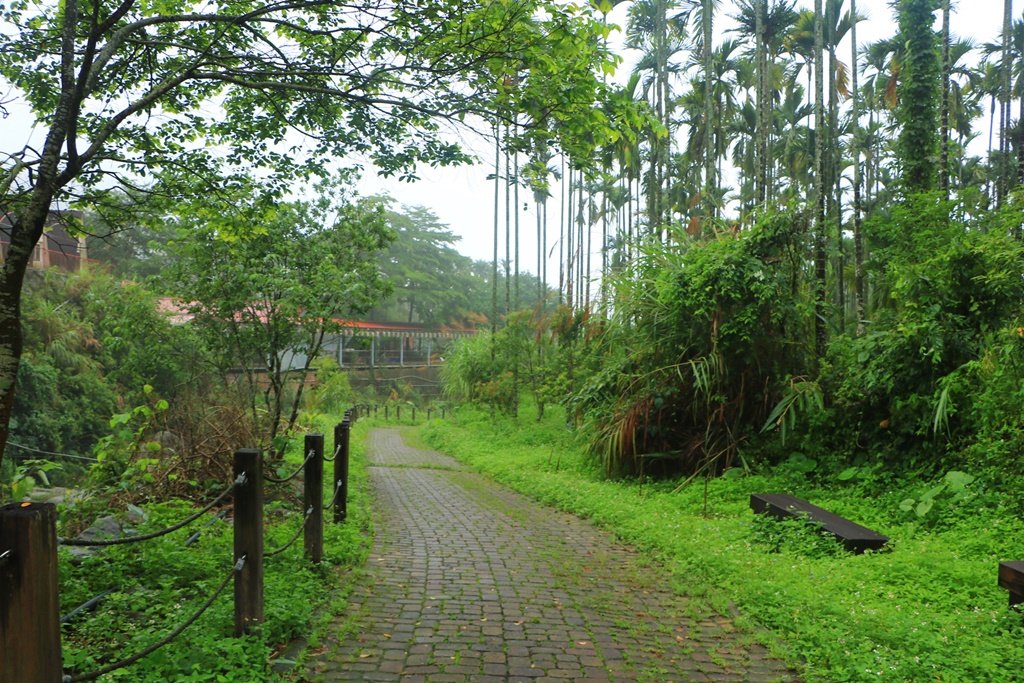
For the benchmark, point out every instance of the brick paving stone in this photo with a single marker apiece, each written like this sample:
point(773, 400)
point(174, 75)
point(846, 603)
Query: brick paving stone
point(470, 583)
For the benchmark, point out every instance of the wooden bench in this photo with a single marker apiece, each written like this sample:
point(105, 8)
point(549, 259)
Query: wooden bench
point(854, 537)
point(1011, 577)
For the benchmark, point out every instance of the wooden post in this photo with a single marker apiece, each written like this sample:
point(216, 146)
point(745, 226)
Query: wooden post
point(428, 414)
point(385, 412)
point(29, 606)
point(249, 541)
point(398, 413)
point(414, 414)
point(442, 412)
point(313, 498)
point(341, 443)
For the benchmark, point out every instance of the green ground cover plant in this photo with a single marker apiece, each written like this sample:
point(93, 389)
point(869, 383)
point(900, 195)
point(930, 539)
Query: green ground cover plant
point(928, 609)
point(160, 583)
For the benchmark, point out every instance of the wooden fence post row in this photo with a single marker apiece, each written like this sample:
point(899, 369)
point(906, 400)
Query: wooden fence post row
point(30, 649)
point(249, 540)
point(313, 498)
point(29, 603)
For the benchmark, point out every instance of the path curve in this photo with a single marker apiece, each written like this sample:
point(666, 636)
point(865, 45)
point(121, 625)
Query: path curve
point(470, 583)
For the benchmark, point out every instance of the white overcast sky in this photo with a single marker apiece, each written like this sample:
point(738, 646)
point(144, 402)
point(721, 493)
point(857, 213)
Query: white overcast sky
point(464, 199)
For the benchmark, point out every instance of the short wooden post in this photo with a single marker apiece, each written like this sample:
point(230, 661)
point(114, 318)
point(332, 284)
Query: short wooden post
point(313, 498)
point(442, 412)
point(385, 412)
point(249, 541)
point(428, 414)
point(398, 413)
point(414, 414)
point(342, 432)
point(29, 606)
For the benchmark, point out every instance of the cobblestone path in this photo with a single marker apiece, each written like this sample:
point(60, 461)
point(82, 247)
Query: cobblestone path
point(470, 583)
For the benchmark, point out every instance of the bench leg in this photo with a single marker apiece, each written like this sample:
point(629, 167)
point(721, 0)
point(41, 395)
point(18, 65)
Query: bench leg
point(1015, 599)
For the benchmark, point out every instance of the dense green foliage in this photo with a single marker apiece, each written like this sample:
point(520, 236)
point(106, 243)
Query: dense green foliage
point(161, 583)
point(707, 349)
point(265, 283)
point(92, 343)
point(927, 610)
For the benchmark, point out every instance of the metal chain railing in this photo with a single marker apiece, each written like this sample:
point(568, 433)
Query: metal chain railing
point(87, 605)
point(333, 457)
point(93, 675)
point(156, 534)
point(337, 489)
point(291, 476)
point(294, 538)
point(195, 537)
point(59, 455)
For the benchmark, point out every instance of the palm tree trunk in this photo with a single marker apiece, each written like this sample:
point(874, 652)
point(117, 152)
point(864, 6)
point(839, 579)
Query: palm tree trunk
point(834, 197)
point(537, 206)
point(709, 159)
point(858, 235)
point(944, 113)
point(581, 275)
point(820, 254)
point(508, 233)
point(561, 233)
point(515, 205)
point(544, 252)
point(569, 232)
point(760, 148)
point(1003, 184)
point(494, 263)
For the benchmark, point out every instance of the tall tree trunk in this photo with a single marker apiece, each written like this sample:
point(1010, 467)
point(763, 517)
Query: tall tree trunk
point(761, 146)
point(515, 205)
point(835, 213)
point(820, 127)
point(1003, 184)
point(562, 210)
point(944, 110)
point(709, 147)
point(508, 232)
point(569, 245)
point(582, 276)
point(858, 234)
point(497, 206)
point(27, 226)
point(537, 206)
point(544, 252)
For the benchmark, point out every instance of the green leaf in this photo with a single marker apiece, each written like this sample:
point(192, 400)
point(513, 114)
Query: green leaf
point(924, 507)
point(848, 473)
point(958, 480)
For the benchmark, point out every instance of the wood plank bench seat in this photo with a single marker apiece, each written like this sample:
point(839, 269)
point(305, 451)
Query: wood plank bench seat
point(1011, 577)
point(854, 537)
